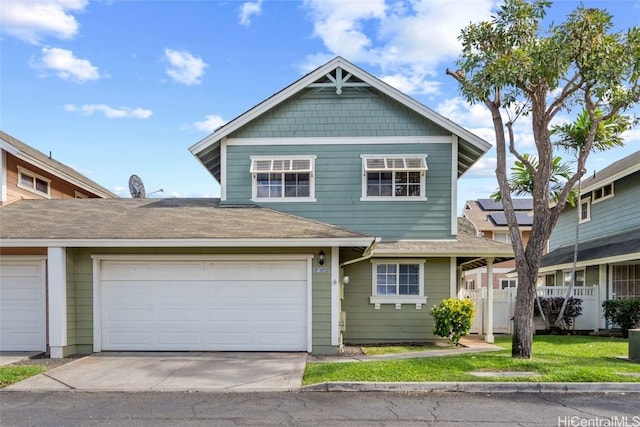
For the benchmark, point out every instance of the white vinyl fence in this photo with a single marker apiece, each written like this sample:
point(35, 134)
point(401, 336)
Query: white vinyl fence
point(504, 302)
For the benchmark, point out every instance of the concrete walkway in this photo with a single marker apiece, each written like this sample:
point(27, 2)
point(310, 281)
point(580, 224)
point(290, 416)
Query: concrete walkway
point(468, 344)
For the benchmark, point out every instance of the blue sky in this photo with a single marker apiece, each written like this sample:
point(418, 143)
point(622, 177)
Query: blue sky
point(114, 88)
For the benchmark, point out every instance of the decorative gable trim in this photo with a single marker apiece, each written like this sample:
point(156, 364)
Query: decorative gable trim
point(339, 82)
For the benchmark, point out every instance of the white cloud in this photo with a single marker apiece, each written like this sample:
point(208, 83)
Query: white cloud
point(183, 67)
point(66, 65)
point(210, 124)
point(248, 10)
point(408, 40)
point(30, 20)
point(110, 112)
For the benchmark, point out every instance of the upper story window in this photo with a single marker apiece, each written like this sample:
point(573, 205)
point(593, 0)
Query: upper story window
point(394, 177)
point(508, 283)
point(502, 236)
point(398, 283)
point(604, 192)
point(283, 179)
point(585, 209)
point(34, 182)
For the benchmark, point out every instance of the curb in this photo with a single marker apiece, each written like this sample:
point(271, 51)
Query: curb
point(475, 387)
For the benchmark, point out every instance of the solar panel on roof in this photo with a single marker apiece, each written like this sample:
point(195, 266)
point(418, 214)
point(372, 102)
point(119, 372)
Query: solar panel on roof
point(500, 218)
point(518, 205)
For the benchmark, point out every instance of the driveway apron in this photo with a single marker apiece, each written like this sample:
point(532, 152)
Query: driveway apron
point(169, 371)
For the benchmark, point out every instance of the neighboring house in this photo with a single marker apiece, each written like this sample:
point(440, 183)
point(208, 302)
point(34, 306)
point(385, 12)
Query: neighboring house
point(607, 223)
point(26, 173)
point(336, 224)
point(490, 222)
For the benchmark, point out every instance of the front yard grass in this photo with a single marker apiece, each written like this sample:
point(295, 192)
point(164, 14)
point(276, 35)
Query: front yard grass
point(394, 349)
point(555, 358)
point(13, 373)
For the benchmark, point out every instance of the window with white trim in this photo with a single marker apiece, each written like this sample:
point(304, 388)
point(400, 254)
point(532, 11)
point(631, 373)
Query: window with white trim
point(470, 285)
point(283, 178)
point(398, 282)
point(394, 177)
point(604, 192)
point(508, 283)
point(566, 277)
point(585, 209)
point(502, 236)
point(33, 182)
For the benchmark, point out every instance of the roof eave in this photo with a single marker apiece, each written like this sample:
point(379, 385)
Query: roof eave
point(164, 243)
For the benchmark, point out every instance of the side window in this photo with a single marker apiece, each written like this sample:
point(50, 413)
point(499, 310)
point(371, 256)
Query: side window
point(35, 183)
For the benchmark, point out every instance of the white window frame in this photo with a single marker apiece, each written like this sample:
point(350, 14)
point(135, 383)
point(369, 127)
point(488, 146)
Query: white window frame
point(585, 201)
point(470, 284)
point(33, 189)
point(507, 238)
point(255, 169)
point(419, 300)
point(390, 168)
point(508, 281)
point(602, 196)
point(568, 272)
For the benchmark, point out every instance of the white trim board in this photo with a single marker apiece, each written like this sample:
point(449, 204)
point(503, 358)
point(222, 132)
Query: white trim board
point(347, 140)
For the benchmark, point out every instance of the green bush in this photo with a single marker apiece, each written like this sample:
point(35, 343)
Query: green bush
point(551, 307)
point(453, 318)
point(623, 312)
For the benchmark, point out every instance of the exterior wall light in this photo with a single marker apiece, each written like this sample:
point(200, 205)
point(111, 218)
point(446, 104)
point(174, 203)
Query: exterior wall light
point(321, 258)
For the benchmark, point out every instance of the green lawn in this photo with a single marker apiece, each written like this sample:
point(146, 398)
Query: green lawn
point(556, 358)
point(13, 374)
point(376, 350)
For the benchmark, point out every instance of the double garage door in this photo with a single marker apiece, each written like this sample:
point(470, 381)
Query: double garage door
point(22, 304)
point(217, 304)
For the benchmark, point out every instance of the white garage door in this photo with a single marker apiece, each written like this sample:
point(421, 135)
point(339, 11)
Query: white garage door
point(22, 305)
point(232, 305)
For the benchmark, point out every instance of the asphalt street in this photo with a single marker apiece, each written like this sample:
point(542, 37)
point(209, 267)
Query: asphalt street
point(314, 408)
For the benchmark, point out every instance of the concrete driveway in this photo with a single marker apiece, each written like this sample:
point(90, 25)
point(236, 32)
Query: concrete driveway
point(168, 371)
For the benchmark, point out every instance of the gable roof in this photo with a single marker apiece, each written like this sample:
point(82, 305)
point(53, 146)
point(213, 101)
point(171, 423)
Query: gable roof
point(161, 222)
point(616, 170)
point(487, 214)
point(470, 147)
point(29, 154)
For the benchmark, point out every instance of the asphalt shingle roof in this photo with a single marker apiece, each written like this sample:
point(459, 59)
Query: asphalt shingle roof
point(155, 219)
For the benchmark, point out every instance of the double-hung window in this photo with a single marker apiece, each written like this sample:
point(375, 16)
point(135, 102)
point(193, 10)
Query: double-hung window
point(398, 283)
point(585, 209)
point(394, 177)
point(34, 183)
point(280, 179)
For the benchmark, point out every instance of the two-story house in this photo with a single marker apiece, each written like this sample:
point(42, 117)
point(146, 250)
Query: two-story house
point(26, 173)
point(490, 222)
point(336, 224)
point(607, 226)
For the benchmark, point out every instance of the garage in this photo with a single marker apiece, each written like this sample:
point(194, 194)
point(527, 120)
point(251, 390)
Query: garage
point(224, 303)
point(23, 304)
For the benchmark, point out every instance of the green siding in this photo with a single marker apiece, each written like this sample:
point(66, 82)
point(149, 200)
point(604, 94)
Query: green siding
point(338, 189)
point(609, 216)
point(339, 115)
point(80, 291)
point(366, 325)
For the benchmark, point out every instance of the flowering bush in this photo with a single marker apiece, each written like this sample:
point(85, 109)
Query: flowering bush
point(453, 318)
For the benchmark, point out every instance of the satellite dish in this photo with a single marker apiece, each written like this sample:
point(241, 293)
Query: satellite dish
point(136, 187)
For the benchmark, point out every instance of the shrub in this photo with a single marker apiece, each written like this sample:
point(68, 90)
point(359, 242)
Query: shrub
point(551, 307)
point(624, 312)
point(453, 318)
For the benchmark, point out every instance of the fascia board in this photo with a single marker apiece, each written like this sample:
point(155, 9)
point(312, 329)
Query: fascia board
point(164, 243)
point(581, 264)
point(612, 178)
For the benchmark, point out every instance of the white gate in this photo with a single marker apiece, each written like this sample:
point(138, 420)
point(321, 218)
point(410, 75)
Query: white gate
point(504, 302)
point(503, 306)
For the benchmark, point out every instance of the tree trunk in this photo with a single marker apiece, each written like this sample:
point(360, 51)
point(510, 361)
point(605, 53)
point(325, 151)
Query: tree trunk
point(523, 318)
